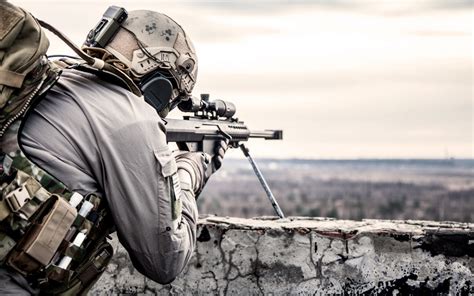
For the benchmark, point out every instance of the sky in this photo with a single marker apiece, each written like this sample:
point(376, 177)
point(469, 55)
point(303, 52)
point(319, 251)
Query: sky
point(343, 79)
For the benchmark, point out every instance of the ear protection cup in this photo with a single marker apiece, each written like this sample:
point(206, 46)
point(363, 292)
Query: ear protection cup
point(157, 91)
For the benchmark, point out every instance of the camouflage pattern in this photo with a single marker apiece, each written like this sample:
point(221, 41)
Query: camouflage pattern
point(26, 74)
point(24, 68)
point(149, 41)
point(18, 173)
point(9, 144)
point(22, 44)
point(18, 104)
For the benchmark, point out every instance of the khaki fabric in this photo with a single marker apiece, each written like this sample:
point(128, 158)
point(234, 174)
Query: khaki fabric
point(24, 69)
point(164, 39)
point(22, 44)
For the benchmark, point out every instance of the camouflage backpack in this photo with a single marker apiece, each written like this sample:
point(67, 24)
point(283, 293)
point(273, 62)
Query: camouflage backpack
point(24, 69)
point(39, 218)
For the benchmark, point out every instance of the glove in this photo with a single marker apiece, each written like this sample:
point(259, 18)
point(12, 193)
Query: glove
point(200, 166)
point(196, 165)
point(220, 150)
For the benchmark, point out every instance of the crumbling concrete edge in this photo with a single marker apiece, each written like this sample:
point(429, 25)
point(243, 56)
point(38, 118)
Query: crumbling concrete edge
point(317, 256)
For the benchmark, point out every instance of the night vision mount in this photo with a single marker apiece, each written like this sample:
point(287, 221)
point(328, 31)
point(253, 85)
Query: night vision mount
point(108, 26)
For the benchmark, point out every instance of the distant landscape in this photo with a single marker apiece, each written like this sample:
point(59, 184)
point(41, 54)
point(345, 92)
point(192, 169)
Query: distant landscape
point(436, 189)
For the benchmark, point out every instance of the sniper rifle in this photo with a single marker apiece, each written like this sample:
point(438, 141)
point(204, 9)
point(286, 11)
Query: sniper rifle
point(213, 121)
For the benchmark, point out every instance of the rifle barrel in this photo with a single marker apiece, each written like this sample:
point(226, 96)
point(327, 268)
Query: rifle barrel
point(267, 134)
point(195, 130)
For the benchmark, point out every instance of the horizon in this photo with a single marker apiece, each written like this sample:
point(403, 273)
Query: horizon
point(452, 159)
point(344, 80)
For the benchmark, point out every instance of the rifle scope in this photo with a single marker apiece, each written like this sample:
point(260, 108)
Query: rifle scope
point(220, 108)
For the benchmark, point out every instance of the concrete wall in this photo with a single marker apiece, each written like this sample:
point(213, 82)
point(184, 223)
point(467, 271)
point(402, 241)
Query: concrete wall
point(314, 256)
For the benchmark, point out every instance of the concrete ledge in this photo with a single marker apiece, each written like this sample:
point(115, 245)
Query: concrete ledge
point(302, 255)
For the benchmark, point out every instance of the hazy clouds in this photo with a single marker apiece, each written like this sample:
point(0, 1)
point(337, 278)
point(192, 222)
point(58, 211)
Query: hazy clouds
point(344, 79)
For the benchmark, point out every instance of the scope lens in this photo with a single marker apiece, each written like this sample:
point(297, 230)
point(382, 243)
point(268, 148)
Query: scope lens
point(224, 109)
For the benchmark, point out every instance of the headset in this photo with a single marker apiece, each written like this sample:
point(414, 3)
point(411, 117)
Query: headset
point(156, 88)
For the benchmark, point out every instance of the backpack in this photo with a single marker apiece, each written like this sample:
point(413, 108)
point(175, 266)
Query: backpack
point(25, 71)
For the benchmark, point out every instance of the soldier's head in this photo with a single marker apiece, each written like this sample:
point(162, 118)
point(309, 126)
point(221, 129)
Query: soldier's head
point(152, 49)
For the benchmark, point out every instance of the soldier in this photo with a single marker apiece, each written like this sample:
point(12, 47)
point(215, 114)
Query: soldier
point(90, 144)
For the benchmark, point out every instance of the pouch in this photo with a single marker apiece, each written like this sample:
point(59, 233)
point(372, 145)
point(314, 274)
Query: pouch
point(42, 239)
point(170, 208)
point(67, 282)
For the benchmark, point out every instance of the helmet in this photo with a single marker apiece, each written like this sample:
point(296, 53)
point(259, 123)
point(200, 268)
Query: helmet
point(154, 49)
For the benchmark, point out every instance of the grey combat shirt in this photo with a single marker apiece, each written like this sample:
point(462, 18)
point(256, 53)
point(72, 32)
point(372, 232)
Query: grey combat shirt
point(97, 137)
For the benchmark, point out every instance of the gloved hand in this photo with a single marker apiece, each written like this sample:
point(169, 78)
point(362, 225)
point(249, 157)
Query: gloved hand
point(200, 166)
point(196, 165)
point(220, 150)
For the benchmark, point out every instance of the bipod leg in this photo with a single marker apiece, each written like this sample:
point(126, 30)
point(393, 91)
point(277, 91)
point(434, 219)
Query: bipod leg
point(265, 186)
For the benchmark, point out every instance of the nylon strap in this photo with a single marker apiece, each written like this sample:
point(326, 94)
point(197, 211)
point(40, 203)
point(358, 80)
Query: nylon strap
point(11, 79)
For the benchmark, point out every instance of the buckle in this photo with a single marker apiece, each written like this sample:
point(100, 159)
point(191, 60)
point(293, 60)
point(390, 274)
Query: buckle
point(18, 198)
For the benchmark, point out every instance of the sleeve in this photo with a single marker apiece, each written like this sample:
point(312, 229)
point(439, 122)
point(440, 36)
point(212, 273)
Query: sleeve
point(155, 218)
